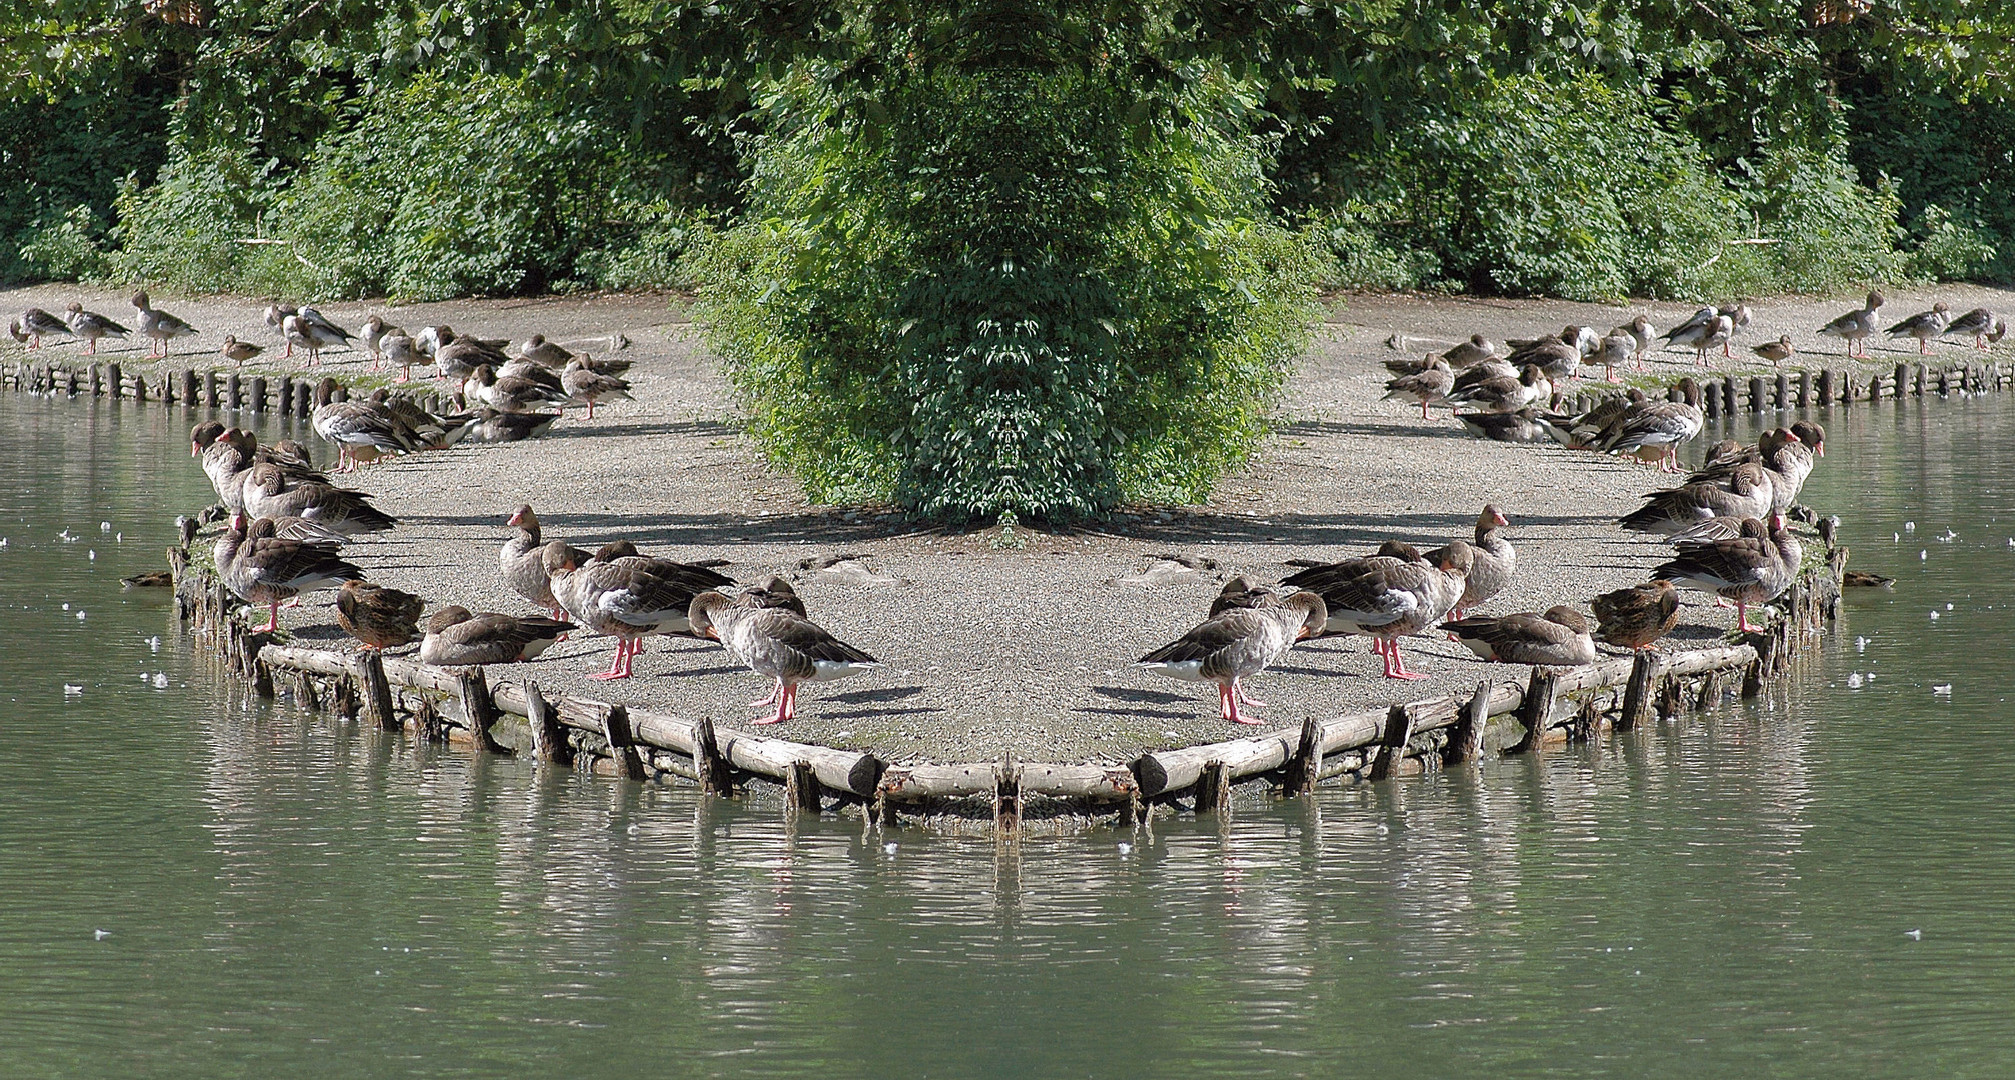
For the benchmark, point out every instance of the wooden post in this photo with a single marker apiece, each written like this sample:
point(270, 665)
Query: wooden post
point(1780, 399)
point(549, 740)
point(1758, 672)
point(1728, 397)
point(255, 398)
point(1007, 797)
point(1944, 382)
point(234, 392)
point(1923, 379)
point(1306, 765)
point(1392, 745)
point(1465, 743)
point(304, 402)
point(369, 668)
point(1213, 790)
point(479, 708)
point(70, 381)
point(1805, 388)
point(1536, 711)
point(140, 386)
point(1637, 693)
point(623, 742)
point(802, 791)
point(1710, 405)
point(716, 778)
point(1756, 394)
point(210, 398)
point(286, 395)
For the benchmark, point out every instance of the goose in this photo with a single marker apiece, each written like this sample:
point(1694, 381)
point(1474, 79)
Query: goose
point(37, 324)
point(158, 327)
point(511, 394)
point(1519, 426)
point(602, 366)
point(1777, 352)
point(268, 494)
point(1556, 357)
point(532, 373)
point(1236, 643)
point(1781, 456)
point(361, 430)
point(583, 384)
point(628, 598)
point(1493, 561)
point(238, 351)
point(1719, 332)
point(1924, 326)
point(1855, 327)
point(1983, 324)
point(91, 326)
point(1738, 316)
point(540, 351)
point(1641, 331)
point(458, 357)
point(228, 455)
point(398, 348)
point(1636, 617)
point(1659, 426)
point(1484, 371)
point(313, 335)
point(262, 568)
point(380, 617)
point(521, 561)
point(1690, 332)
point(375, 331)
point(491, 426)
point(1388, 596)
point(1753, 568)
point(1747, 492)
point(1430, 384)
point(1615, 349)
point(1557, 638)
point(776, 642)
point(772, 592)
point(457, 637)
point(1469, 353)
point(1505, 395)
point(276, 318)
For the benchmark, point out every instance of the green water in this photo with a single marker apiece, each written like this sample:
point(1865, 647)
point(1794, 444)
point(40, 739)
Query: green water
point(194, 884)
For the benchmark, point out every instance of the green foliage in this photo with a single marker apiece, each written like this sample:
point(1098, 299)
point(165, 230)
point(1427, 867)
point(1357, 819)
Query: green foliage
point(1007, 292)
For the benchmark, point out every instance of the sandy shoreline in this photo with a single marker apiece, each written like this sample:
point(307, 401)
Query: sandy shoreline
point(993, 650)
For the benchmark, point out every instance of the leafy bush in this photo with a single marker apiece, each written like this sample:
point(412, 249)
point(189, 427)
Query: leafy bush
point(1006, 292)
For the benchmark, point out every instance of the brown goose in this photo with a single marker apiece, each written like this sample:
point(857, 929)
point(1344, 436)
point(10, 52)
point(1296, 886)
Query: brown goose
point(1556, 357)
point(456, 638)
point(778, 643)
point(1635, 617)
point(1782, 456)
point(1522, 426)
point(521, 561)
point(1654, 427)
point(1387, 597)
point(1750, 569)
point(92, 326)
point(1493, 561)
point(1484, 371)
point(37, 324)
point(1243, 592)
point(1777, 352)
point(1981, 323)
point(1470, 353)
point(628, 598)
point(1855, 326)
point(262, 568)
point(540, 351)
point(1924, 326)
point(158, 327)
point(1746, 492)
point(1238, 643)
point(380, 617)
point(362, 431)
point(772, 592)
point(491, 426)
point(458, 357)
point(511, 394)
point(239, 351)
point(269, 494)
point(1559, 638)
point(1642, 333)
point(1505, 395)
point(586, 385)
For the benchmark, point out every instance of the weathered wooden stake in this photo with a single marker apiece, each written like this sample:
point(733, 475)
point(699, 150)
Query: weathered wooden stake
point(716, 777)
point(1536, 711)
point(1392, 746)
point(549, 742)
point(1805, 388)
point(370, 670)
point(1711, 403)
point(1728, 397)
point(1213, 790)
point(1306, 765)
point(623, 743)
point(1756, 394)
point(802, 791)
point(1007, 796)
point(234, 392)
point(256, 396)
point(286, 395)
point(1465, 743)
point(1944, 382)
point(1637, 693)
point(1780, 397)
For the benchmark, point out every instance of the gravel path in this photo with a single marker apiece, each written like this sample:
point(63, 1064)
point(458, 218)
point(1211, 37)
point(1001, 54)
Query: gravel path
point(988, 648)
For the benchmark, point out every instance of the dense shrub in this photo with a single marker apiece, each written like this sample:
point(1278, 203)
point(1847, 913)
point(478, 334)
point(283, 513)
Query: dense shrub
point(1006, 293)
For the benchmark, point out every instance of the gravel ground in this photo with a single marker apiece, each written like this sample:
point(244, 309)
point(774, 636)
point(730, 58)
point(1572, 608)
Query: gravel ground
point(991, 648)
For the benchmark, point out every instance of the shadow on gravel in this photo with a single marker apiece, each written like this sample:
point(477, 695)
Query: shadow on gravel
point(1340, 529)
point(591, 530)
point(890, 693)
point(1314, 428)
point(706, 429)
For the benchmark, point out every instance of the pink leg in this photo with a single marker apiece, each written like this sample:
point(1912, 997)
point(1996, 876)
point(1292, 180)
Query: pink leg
point(783, 713)
point(591, 410)
point(617, 668)
point(776, 692)
point(1612, 376)
point(1399, 665)
point(1742, 619)
point(1238, 694)
point(272, 617)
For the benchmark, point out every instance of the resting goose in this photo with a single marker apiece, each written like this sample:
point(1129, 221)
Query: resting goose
point(238, 351)
point(1237, 643)
point(37, 324)
point(91, 326)
point(376, 330)
point(1746, 492)
point(776, 642)
point(513, 394)
point(458, 638)
point(1640, 331)
point(380, 617)
point(1556, 358)
point(1505, 395)
point(1753, 568)
point(1983, 324)
point(1690, 332)
point(490, 426)
point(1924, 326)
point(158, 327)
point(521, 561)
point(1493, 561)
point(1558, 638)
point(772, 592)
point(268, 494)
point(627, 598)
point(262, 568)
point(585, 385)
point(1636, 617)
point(1777, 352)
point(540, 351)
point(1522, 425)
point(1615, 349)
point(398, 349)
point(1430, 384)
point(1856, 326)
point(1470, 353)
point(1388, 596)
point(1783, 458)
point(457, 357)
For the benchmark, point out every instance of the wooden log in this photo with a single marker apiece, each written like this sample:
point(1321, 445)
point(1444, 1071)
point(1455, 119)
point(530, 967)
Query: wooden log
point(1644, 670)
point(1007, 797)
point(549, 741)
point(1306, 764)
point(479, 708)
point(1805, 388)
point(1780, 397)
point(1392, 746)
point(1213, 790)
point(1902, 379)
point(234, 392)
point(924, 780)
point(1465, 743)
point(623, 743)
point(256, 396)
point(369, 669)
point(304, 402)
point(1536, 711)
point(715, 776)
point(1923, 380)
point(1875, 389)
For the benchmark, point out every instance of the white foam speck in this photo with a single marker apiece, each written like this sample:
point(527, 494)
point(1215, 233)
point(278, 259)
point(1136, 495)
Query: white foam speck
point(1854, 680)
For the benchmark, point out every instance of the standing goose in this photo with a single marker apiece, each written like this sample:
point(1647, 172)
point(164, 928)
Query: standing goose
point(1855, 327)
point(1642, 332)
point(458, 357)
point(375, 332)
point(1656, 425)
point(521, 561)
point(313, 335)
point(238, 351)
point(262, 568)
point(1924, 326)
point(627, 598)
point(1428, 385)
point(269, 494)
point(1751, 569)
point(1719, 332)
point(1690, 332)
point(1746, 492)
point(37, 324)
point(1983, 324)
point(458, 638)
point(157, 326)
point(1493, 561)
point(1558, 638)
point(1556, 357)
point(1470, 353)
point(1388, 596)
point(399, 349)
point(1236, 643)
point(361, 430)
point(1616, 349)
point(91, 326)
point(584, 384)
point(1636, 617)
point(382, 618)
point(1738, 316)
point(776, 642)
point(276, 317)
point(1782, 457)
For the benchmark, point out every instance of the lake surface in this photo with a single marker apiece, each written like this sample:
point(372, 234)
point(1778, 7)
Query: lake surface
point(199, 884)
